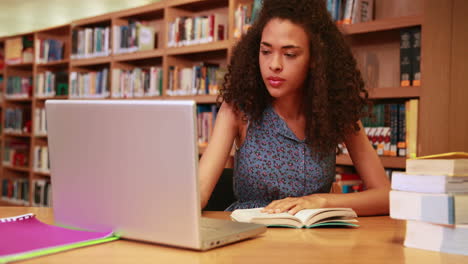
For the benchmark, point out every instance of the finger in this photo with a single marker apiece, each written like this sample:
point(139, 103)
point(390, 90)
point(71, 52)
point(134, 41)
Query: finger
point(270, 207)
point(284, 205)
point(295, 209)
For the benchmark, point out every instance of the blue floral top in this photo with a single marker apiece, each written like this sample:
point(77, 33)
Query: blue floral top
point(274, 164)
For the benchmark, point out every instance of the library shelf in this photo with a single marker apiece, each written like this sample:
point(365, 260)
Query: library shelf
point(20, 65)
point(198, 48)
point(197, 5)
point(382, 25)
point(41, 173)
point(12, 134)
point(8, 203)
point(59, 97)
point(138, 55)
point(387, 162)
point(90, 61)
point(199, 99)
point(396, 92)
point(63, 62)
point(2, 72)
point(13, 99)
point(40, 136)
point(16, 168)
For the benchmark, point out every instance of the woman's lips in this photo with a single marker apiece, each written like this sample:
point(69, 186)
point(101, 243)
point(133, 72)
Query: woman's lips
point(275, 81)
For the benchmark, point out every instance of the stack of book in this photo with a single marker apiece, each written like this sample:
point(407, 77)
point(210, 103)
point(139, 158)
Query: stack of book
point(433, 197)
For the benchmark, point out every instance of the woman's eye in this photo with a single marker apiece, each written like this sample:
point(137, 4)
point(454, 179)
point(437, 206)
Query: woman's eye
point(265, 52)
point(290, 55)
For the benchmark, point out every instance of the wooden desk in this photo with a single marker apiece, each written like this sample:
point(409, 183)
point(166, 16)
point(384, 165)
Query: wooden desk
point(378, 240)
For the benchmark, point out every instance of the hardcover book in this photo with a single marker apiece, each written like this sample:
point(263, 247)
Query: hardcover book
point(437, 208)
point(451, 164)
point(307, 218)
point(429, 183)
point(443, 238)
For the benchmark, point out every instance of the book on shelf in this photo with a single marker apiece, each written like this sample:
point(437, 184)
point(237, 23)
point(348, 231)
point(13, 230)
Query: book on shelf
point(351, 11)
point(200, 79)
point(92, 84)
point(442, 238)
point(306, 218)
point(437, 208)
point(185, 31)
point(42, 193)
point(415, 56)
point(244, 16)
point(15, 191)
point(349, 182)
point(2, 60)
point(90, 42)
point(363, 11)
point(136, 36)
point(48, 50)
point(427, 183)
point(13, 50)
point(25, 236)
point(137, 82)
point(18, 87)
point(410, 56)
point(451, 164)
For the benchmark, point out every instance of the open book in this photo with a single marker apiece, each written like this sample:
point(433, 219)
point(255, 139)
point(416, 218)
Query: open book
point(24, 236)
point(306, 218)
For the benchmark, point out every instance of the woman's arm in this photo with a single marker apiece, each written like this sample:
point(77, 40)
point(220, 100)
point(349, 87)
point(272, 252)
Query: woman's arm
point(216, 154)
point(372, 201)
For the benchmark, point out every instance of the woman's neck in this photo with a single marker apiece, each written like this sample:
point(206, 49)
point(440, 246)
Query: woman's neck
point(288, 108)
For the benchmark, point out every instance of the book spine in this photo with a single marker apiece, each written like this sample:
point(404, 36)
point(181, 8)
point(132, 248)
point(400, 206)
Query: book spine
point(405, 57)
point(401, 145)
point(416, 56)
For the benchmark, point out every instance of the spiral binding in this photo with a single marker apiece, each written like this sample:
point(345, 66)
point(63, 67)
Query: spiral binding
point(16, 218)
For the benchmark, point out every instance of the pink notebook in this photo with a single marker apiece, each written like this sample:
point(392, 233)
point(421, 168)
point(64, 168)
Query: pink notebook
point(25, 236)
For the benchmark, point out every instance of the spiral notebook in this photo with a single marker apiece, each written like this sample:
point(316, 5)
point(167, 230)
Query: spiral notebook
point(24, 236)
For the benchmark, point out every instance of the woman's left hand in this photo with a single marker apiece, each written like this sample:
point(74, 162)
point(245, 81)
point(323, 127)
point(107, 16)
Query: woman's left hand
point(292, 205)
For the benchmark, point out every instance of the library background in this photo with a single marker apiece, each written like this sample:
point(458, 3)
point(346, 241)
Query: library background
point(412, 54)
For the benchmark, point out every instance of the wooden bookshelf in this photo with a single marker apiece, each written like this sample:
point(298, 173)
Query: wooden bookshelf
point(16, 168)
point(90, 61)
point(387, 162)
point(397, 92)
point(41, 174)
point(23, 135)
point(20, 65)
point(12, 99)
point(211, 46)
point(7, 203)
point(442, 124)
point(62, 97)
point(199, 99)
point(382, 25)
point(63, 62)
point(139, 55)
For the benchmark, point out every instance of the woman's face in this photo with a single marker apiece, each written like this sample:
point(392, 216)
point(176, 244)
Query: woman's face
point(284, 58)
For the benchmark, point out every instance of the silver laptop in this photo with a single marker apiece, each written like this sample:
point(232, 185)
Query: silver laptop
point(131, 166)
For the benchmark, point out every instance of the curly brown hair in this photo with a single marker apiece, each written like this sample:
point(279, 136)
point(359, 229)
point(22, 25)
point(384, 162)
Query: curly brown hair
point(334, 97)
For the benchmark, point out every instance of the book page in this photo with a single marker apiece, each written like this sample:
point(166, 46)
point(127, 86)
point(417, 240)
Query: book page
point(246, 215)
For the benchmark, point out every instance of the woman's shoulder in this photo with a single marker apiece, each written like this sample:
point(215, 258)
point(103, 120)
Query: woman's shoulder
point(233, 116)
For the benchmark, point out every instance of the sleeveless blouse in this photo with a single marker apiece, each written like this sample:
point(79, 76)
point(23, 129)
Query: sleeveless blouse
point(273, 164)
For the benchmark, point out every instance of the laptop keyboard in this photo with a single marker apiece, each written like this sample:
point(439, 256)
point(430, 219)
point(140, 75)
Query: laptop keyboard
point(211, 224)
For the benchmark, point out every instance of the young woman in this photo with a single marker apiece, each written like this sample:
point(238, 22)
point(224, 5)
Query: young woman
point(292, 94)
